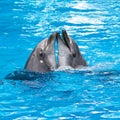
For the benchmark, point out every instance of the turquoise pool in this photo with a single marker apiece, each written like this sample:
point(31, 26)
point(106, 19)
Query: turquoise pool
point(88, 94)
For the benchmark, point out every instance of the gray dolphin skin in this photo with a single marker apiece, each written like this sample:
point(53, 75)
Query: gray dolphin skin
point(68, 52)
point(42, 59)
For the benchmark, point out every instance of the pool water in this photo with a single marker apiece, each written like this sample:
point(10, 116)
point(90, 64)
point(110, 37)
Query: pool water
point(92, 93)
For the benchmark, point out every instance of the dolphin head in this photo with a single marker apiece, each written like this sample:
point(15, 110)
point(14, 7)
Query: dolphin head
point(69, 54)
point(42, 59)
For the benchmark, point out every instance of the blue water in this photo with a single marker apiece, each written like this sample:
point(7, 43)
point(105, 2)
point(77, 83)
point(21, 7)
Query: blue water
point(89, 94)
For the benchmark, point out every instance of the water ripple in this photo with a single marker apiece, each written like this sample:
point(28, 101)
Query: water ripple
point(90, 93)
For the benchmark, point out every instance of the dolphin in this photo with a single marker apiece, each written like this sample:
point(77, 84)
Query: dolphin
point(68, 52)
point(42, 58)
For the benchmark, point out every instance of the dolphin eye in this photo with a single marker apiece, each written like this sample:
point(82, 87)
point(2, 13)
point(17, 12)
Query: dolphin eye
point(41, 54)
point(74, 55)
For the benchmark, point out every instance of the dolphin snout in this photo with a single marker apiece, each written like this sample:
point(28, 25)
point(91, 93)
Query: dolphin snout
point(64, 40)
point(51, 40)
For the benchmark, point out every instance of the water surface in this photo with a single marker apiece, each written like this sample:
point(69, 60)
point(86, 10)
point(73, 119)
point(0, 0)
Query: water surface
point(91, 93)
